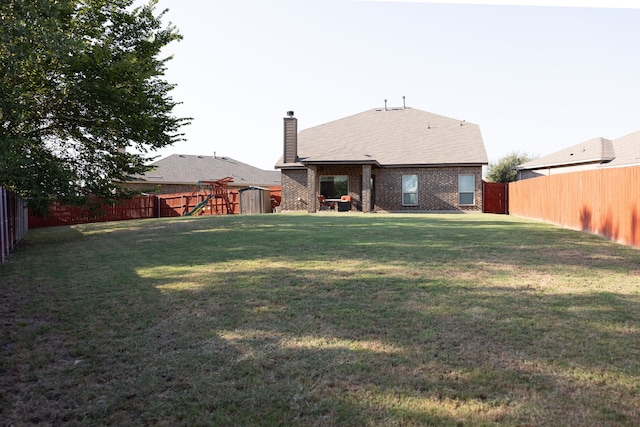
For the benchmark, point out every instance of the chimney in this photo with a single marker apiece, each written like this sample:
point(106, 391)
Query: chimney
point(290, 138)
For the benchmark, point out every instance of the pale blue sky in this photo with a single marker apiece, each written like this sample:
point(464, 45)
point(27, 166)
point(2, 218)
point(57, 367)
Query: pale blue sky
point(536, 79)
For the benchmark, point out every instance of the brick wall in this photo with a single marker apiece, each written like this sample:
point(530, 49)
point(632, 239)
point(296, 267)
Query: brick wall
point(294, 190)
point(437, 187)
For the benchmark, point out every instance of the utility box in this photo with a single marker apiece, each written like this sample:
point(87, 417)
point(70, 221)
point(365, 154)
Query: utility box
point(255, 200)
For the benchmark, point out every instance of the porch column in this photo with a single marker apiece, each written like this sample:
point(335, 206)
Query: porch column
point(366, 188)
point(312, 189)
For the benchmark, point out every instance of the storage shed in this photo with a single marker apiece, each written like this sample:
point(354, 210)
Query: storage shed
point(255, 200)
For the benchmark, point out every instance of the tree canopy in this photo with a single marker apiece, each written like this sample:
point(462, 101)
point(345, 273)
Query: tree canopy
point(80, 82)
point(504, 170)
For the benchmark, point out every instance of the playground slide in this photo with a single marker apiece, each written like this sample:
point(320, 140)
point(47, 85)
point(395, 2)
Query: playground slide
point(198, 208)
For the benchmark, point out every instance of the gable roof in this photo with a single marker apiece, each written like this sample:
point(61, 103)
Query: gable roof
point(190, 169)
point(392, 137)
point(622, 151)
point(596, 150)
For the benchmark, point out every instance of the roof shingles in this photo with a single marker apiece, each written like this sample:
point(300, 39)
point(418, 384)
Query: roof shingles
point(393, 137)
point(621, 151)
point(190, 169)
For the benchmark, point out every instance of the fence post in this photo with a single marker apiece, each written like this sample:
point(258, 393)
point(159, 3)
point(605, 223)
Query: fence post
point(3, 219)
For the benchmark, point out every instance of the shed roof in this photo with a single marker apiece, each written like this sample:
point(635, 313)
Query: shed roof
point(392, 137)
point(190, 169)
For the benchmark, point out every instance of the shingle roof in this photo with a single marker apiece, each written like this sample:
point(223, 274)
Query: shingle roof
point(596, 150)
point(393, 137)
point(621, 151)
point(627, 150)
point(189, 169)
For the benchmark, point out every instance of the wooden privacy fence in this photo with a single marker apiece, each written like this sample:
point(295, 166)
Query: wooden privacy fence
point(136, 208)
point(604, 202)
point(13, 221)
point(179, 204)
point(150, 206)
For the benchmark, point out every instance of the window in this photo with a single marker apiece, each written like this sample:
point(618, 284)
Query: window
point(334, 187)
point(466, 189)
point(409, 190)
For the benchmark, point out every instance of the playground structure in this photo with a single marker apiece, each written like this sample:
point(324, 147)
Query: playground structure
point(216, 197)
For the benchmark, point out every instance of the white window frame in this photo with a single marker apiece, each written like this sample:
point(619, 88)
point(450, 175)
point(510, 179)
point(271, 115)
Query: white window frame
point(466, 191)
point(404, 192)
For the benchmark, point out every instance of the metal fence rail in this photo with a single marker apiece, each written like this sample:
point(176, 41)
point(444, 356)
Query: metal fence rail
point(14, 222)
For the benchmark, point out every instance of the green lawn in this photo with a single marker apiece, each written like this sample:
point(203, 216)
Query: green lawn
point(326, 319)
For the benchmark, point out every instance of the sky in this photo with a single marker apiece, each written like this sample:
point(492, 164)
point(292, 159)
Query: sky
point(536, 79)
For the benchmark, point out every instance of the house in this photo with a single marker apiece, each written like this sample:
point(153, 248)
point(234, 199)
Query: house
point(595, 153)
point(181, 173)
point(385, 159)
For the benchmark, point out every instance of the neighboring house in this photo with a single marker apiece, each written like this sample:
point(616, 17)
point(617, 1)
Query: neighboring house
point(181, 173)
point(595, 153)
point(396, 159)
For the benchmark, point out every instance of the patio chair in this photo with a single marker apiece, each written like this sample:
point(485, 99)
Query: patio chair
point(324, 205)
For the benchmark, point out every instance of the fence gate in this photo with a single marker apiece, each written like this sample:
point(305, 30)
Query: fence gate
point(495, 197)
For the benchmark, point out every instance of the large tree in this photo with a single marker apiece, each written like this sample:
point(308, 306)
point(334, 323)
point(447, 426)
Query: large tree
point(504, 170)
point(80, 82)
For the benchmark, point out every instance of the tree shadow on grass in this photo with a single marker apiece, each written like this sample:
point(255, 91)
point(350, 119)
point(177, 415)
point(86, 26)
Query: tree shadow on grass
point(348, 351)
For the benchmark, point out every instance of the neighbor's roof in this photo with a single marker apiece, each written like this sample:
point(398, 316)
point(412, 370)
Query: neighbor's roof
point(392, 137)
point(627, 151)
point(622, 151)
point(596, 150)
point(189, 169)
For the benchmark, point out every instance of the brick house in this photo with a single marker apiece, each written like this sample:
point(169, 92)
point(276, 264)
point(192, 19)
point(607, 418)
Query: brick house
point(387, 159)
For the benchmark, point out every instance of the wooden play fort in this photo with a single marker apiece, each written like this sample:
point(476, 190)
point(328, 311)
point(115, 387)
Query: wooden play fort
point(212, 195)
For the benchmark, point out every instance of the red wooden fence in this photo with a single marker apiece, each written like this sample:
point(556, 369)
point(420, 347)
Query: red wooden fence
point(604, 202)
point(151, 206)
point(179, 204)
point(136, 208)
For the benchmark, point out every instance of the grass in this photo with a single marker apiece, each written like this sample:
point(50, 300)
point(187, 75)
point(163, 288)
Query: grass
point(320, 320)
